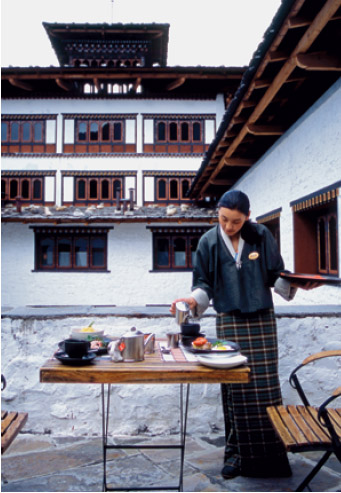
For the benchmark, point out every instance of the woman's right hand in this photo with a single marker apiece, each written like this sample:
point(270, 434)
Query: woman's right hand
point(192, 303)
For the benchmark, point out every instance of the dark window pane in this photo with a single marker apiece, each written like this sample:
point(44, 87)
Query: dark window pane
point(193, 247)
point(179, 252)
point(174, 189)
point(13, 189)
point(25, 189)
point(161, 189)
point(117, 188)
point(81, 189)
point(4, 127)
point(161, 131)
point(93, 189)
point(82, 131)
point(37, 189)
point(105, 131)
point(97, 252)
point(333, 243)
point(81, 252)
point(94, 131)
point(38, 132)
point(15, 131)
point(46, 252)
point(117, 131)
point(64, 252)
point(26, 131)
point(322, 245)
point(184, 131)
point(173, 131)
point(162, 252)
point(197, 131)
point(105, 189)
point(184, 188)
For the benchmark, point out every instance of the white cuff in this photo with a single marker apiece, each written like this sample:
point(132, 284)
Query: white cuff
point(284, 289)
point(202, 300)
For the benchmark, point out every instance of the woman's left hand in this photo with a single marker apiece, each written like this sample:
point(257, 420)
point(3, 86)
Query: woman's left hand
point(306, 285)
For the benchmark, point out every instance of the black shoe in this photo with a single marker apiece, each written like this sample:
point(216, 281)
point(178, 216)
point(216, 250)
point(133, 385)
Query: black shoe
point(229, 472)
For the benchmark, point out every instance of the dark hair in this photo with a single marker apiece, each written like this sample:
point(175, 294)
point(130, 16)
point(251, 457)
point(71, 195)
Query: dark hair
point(235, 200)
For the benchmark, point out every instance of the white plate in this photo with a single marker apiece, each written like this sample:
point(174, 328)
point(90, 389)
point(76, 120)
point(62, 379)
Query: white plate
point(222, 362)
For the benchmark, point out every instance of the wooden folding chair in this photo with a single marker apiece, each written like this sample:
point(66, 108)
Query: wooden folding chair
point(306, 428)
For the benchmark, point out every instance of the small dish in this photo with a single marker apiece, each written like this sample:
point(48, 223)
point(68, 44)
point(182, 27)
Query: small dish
point(86, 336)
point(65, 358)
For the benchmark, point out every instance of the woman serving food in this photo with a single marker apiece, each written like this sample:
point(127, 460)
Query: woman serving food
point(236, 264)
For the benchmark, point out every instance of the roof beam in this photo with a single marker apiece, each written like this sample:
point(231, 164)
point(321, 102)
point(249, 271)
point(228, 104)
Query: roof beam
point(63, 84)
point(137, 83)
point(239, 162)
point(97, 83)
point(265, 129)
point(222, 183)
point(318, 62)
point(20, 83)
point(177, 83)
point(329, 9)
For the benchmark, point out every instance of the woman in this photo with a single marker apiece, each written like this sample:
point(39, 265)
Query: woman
point(236, 264)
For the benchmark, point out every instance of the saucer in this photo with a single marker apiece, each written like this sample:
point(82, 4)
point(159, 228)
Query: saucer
point(65, 358)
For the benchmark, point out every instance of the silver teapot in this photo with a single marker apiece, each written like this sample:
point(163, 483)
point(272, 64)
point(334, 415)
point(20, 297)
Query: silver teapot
point(133, 344)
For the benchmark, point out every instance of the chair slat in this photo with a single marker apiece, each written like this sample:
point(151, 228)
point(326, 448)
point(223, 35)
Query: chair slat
point(6, 422)
point(290, 423)
point(303, 424)
point(10, 428)
point(335, 416)
point(280, 427)
point(320, 430)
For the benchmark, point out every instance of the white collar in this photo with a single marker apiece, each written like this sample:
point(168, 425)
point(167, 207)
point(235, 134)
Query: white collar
point(228, 243)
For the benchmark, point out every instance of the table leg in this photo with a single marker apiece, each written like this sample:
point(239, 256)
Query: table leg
point(184, 402)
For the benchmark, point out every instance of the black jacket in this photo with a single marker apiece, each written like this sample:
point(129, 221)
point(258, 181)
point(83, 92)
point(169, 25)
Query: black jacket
point(246, 289)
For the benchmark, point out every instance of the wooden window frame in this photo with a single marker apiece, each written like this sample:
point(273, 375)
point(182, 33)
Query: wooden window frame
point(56, 235)
point(99, 197)
point(168, 180)
point(307, 251)
point(99, 123)
point(172, 237)
point(7, 180)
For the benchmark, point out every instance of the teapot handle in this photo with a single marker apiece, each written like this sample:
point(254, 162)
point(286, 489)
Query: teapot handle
point(148, 339)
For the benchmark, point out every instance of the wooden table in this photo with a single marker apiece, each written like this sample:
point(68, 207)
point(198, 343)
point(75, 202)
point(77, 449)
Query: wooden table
point(153, 370)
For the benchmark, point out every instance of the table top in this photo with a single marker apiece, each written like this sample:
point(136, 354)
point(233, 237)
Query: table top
point(152, 370)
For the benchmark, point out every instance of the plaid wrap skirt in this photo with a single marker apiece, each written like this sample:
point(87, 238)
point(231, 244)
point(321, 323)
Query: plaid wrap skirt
point(257, 450)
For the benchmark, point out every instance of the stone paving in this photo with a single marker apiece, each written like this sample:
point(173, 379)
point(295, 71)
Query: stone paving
point(45, 463)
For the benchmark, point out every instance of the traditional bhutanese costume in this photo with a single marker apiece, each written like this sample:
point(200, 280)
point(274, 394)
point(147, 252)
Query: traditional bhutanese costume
point(239, 286)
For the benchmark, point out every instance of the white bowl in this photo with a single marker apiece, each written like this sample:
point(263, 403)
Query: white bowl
point(84, 336)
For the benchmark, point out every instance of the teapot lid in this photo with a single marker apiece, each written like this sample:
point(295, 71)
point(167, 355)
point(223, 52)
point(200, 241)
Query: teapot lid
point(133, 332)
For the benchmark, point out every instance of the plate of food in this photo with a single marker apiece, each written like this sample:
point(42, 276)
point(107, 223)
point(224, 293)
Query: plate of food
point(207, 345)
point(315, 278)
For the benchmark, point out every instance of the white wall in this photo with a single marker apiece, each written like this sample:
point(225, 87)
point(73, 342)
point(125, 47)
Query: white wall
point(129, 281)
point(71, 409)
point(304, 160)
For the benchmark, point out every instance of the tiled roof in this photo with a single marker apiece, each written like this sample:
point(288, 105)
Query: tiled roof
point(102, 214)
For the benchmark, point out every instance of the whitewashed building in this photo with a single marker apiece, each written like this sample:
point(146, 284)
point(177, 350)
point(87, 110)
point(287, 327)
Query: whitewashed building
point(102, 152)
point(98, 156)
